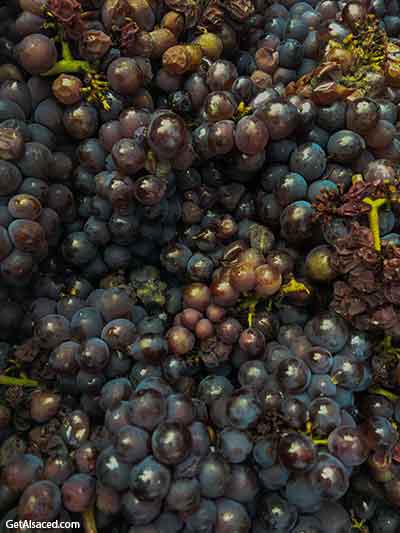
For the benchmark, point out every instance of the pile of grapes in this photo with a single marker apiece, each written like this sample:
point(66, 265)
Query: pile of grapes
point(200, 266)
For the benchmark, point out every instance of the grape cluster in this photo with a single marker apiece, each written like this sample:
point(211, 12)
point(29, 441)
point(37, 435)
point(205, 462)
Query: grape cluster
point(36, 198)
point(200, 265)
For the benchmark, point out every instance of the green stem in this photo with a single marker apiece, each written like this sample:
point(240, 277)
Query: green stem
point(66, 50)
point(19, 382)
point(68, 66)
point(294, 286)
point(383, 392)
point(373, 216)
point(320, 442)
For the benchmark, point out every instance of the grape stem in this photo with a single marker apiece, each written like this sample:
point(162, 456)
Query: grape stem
point(387, 347)
point(294, 286)
point(68, 65)
point(89, 522)
point(357, 178)
point(18, 382)
point(383, 392)
point(374, 219)
point(357, 524)
point(308, 433)
point(320, 442)
point(242, 110)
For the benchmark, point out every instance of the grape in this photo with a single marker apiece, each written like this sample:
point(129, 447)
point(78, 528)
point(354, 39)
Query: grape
point(264, 452)
point(280, 118)
point(296, 221)
point(252, 341)
point(128, 156)
point(57, 469)
point(235, 445)
point(221, 75)
point(296, 452)
point(149, 190)
point(124, 75)
point(75, 428)
point(327, 330)
point(139, 512)
point(302, 493)
point(324, 415)
point(319, 187)
point(147, 409)
point(219, 105)
point(243, 485)
point(80, 121)
point(334, 517)
point(5, 243)
point(171, 442)
point(150, 480)
point(22, 472)
point(184, 495)
point(251, 135)
point(308, 524)
point(85, 458)
point(12, 144)
point(345, 145)
point(253, 374)
point(349, 445)
point(40, 501)
point(52, 330)
point(232, 516)
point(330, 478)
point(379, 433)
point(221, 137)
point(10, 178)
point(44, 405)
point(63, 357)
point(111, 471)
point(78, 492)
point(276, 514)
point(243, 409)
point(166, 135)
point(290, 188)
point(362, 115)
point(37, 53)
point(203, 518)
point(293, 375)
